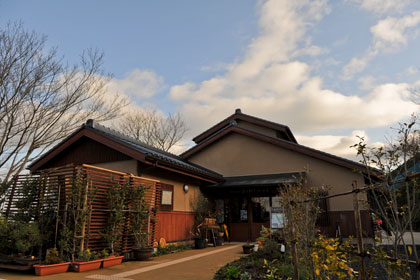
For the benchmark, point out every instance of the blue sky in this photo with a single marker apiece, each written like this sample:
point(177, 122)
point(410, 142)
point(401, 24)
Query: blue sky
point(330, 70)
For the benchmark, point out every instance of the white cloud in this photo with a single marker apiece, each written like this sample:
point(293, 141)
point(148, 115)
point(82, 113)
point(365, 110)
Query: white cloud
point(270, 83)
point(392, 33)
point(138, 84)
point(355, 65)
point(412, 70)
point(382, 6)
point(389, 35)
point(339, 145)
point(367, 82)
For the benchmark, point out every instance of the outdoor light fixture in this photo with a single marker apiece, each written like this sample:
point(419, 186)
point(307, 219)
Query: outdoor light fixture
point(185, 188)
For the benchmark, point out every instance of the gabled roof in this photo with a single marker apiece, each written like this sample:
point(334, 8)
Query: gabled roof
point(238, 115)
point(234, 128)
point(131, 147)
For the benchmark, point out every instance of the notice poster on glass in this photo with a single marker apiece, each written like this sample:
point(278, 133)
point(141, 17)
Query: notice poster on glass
point(244, 215)
point(277, 220)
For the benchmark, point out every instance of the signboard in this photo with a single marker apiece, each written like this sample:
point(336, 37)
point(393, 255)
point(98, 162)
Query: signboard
point(166, 198)
point(277, 220)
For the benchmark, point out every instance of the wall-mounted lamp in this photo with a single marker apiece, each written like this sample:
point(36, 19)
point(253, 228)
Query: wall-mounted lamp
point(185, 188)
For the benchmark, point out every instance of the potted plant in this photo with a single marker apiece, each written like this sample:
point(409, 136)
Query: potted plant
point(139, 223)
point(53, 264)
point(116, 199)
point(86, 261)
point(202, 209)
point(221, 231)
point(220, 236)
point(247, 248)
point(199, 239)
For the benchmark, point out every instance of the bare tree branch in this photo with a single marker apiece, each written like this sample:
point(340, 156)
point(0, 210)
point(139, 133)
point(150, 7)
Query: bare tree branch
point(154, 129)
point(42, 99)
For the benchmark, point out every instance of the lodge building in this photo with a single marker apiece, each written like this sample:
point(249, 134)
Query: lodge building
point(239, 163)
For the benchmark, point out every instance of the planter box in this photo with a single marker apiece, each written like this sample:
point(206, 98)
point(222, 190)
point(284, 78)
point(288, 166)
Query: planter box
point(42, 270)
point(111, 261)
point(86, 266)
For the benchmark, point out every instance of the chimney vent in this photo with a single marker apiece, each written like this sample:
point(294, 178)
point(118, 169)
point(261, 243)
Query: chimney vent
point(238, 111)
point(90, 123)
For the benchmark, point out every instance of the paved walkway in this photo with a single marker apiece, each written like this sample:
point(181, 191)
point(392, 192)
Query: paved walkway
point(188, 265)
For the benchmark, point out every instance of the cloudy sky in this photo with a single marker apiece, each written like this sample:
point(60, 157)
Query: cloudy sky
point(330, 70)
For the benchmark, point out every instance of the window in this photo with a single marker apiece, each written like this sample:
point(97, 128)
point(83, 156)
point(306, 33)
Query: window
point(167, 197)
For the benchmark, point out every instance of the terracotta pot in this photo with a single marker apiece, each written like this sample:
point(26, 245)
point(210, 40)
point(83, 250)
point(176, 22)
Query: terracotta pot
point(111, 261)
point(86, 266)
point(142, 254)
point(42, 270)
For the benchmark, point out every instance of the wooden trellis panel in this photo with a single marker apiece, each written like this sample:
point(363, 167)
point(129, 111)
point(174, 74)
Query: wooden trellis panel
point(53, 187)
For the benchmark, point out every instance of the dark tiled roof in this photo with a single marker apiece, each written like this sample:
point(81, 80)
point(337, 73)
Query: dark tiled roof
point(150, 151)
point(238, 115)
point(261, 180)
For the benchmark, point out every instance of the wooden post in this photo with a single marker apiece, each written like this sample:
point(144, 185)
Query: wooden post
point(57, 213)
point(358, 224)
point(249, 211)
point(83, 230)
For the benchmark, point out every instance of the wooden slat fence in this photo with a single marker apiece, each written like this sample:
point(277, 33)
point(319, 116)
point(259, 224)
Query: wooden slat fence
point(53, 188)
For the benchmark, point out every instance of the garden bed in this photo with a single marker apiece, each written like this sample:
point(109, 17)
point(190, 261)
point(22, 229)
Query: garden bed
point(254, 267)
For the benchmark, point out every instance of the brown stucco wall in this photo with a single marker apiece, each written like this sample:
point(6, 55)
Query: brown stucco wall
point(126, 166)
point(182, 200)
point(239, 155)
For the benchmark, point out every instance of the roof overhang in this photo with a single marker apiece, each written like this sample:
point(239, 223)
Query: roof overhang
point(254, 185)
point(98, 136)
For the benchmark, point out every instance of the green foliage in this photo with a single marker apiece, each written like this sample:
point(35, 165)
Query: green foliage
point(170, 248)
point(87, 255)
point(233, 272)
point(245, 276)
point(117, 201)
point(52, 256)
point(103, 254)
point(202, 208)
point(139, 214)
point(18, 237)
point(332, 259)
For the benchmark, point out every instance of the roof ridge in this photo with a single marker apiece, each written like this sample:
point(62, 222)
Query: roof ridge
point(126, 137)
point(122, 136)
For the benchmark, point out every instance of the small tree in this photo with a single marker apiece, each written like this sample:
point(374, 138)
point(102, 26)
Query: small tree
point(395, 195)
point(202, 208)
point(117, 199)
point(139, 216)
point(300, 204)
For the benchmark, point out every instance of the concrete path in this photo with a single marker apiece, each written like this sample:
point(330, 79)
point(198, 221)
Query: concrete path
point(188, 265)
